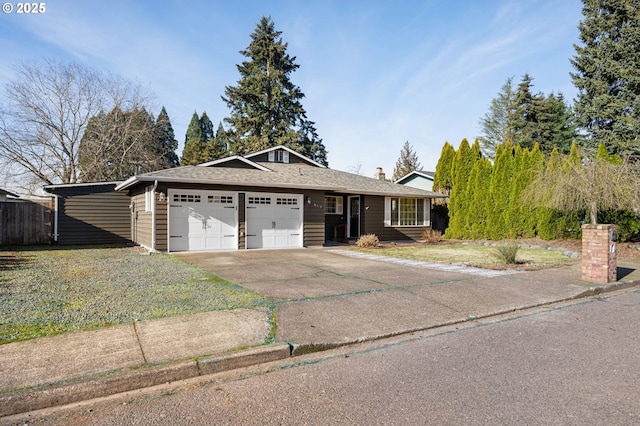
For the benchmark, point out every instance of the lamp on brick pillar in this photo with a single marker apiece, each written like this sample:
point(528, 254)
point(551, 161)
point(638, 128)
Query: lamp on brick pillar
point(599, 261)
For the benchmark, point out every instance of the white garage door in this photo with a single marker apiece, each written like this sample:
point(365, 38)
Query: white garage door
point(274, 220)
point(202, 220)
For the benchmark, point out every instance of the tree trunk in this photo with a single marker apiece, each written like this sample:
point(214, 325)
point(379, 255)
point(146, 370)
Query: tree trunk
point(593, 211)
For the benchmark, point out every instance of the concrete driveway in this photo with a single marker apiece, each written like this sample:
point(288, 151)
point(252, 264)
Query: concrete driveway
point(288, 275)
point(327, 299)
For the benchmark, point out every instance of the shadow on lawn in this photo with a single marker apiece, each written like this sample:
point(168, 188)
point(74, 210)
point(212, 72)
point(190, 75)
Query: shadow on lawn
point(12, 261)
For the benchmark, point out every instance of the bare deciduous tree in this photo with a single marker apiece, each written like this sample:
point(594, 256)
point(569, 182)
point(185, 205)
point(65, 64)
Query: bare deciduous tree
point(46, 110)
point(593, 184)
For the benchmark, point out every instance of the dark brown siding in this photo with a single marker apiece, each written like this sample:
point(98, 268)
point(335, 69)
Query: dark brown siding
point(141, 228)
point(313, 218)
point(93, 215)
point(333, 220)
point(372, 218)
point(141, 220)
point(162, 224)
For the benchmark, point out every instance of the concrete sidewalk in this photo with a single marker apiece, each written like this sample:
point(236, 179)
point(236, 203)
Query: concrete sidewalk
point(325, 298)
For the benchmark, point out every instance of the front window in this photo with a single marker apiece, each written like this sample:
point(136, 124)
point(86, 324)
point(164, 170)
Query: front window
point(407, 211)
point(333, 205)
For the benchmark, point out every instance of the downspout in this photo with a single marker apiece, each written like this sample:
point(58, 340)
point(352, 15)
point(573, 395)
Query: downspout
point(153, 216)
point(55, 220)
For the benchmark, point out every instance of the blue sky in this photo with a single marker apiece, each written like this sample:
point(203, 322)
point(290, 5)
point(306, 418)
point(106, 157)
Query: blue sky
point(375, 73)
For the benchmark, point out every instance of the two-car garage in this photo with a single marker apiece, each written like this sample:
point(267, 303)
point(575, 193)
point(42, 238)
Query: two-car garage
point(201, 220)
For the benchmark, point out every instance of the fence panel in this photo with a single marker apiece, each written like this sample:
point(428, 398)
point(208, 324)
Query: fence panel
point(24, 223)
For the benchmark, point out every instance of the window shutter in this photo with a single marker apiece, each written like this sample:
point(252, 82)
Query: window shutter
point(387, 211)
point(285, 156)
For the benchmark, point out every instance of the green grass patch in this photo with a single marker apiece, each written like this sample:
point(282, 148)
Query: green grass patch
point(52, 290)
point(476, 255)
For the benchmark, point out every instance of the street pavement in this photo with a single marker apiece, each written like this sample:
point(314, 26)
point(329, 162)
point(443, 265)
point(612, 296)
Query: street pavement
point(325, 298)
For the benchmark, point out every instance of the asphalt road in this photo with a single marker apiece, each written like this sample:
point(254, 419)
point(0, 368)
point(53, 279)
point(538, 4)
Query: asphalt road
point(575, 363)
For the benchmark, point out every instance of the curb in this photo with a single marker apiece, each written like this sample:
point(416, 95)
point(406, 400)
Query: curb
point(55, 394)
point(118, 381)
point(309, 348)
point(608, 288)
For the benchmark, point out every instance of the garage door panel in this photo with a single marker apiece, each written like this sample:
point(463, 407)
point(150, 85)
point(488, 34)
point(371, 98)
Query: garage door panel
point(202, 220)
point(274, 220)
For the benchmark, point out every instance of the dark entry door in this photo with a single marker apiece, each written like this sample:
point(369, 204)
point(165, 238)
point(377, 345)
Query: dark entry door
point(354, 217)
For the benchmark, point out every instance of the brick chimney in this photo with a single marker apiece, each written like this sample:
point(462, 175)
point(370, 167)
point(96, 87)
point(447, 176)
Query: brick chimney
point(379, 174)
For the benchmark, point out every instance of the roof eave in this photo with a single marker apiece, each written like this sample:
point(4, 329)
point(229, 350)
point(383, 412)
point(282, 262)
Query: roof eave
point(283, 185)
point(131, 181)
point(49, 188)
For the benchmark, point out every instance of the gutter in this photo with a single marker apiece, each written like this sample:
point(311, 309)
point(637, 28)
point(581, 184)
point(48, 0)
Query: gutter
point(326, 188)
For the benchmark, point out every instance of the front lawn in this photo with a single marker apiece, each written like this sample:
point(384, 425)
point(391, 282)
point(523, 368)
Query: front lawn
point(53, 290)
point(475, 255)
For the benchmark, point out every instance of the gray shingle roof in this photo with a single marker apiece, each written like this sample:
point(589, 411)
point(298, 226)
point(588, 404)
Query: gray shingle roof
point(291, 175)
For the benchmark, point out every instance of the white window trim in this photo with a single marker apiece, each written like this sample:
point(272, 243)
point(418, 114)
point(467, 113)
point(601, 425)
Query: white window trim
point(339, 204)
point(426, 213)
point(148, 198)
point(279, 156)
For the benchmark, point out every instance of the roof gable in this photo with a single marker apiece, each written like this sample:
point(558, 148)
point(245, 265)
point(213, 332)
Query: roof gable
point(257, 156)
point(234, 161)
point(417, 173)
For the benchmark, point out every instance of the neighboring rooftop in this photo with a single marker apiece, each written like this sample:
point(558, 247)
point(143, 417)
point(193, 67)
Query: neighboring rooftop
point(4, 193)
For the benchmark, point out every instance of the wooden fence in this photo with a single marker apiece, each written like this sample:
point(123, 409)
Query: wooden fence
point(24, 223)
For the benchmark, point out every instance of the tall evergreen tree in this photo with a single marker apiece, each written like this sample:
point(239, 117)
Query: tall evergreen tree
point(477, 194)
point(500, 190)
point(535, 166)
point(217, 145)
point(206, 128)
point(195, 143)
point(528, 106)
point(607, 76)
point(407, 163)
point(167, 143)
point(266, 108)
point(463, 162)
point(120, 144)
point(558, 128)
point(525, 118)
point(443, 178)
point(498, 124)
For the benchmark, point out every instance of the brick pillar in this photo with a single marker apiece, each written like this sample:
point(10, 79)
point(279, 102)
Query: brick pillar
point(599, 262)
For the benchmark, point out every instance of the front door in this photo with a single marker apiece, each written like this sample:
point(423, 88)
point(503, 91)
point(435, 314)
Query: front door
point(354, 216)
